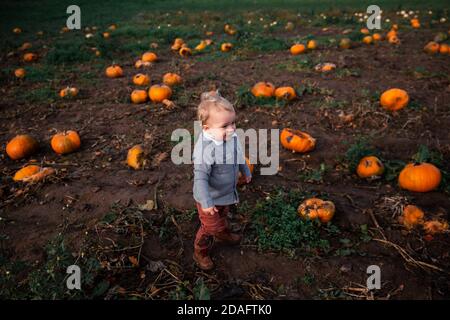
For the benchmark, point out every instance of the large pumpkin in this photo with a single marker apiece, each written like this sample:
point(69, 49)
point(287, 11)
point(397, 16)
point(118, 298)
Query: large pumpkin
point(422, 177)
point(159, 93)
point(369, 167)
point(263, 90)
point(21, 146)
point(20, 73)
point(241, 178)
point(65, 142)
point(135, 157)
point(315, 208)
point(431, 47)
point(149, 57)
point(394, 99)
point(296, 140)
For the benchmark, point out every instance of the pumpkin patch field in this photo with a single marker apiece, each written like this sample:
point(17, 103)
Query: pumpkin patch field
point(363, 118)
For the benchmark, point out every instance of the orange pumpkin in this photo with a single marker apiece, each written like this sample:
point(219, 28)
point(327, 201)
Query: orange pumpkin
point(65, 142)
point(20, 73)
point(296, 140)
point(431, 47)
point(172, 79)
point(177, 44)
point(149, 57)
point(411, 216)
point(241, 178)
point(17, 30)
point(369, 167)
point(142, 64)
point(68, 91)
point(422, 177)
point(32, 173)
point(263, 90)
point(325, 67)
point(345, 43)
point(139, 96)
point(185, 52)
point(415, 23)
point(367, 39)
point(377, 37)
point(21, 146)
point(315, 208)
point(287, 93)
point(435, 226)
point(230, 29)
point(391, 33)
point(444, 49)
point(365, 31)
point(29, 57)
point(135, 157)
point(298, 49)
point(394, 40)
point(394, 99)
point(114, 71)
point(25, 46)
point(225, 47)
point(159, 93)
point(106, 35)
point(201, 46)
point(141, 79)
point(312, 44)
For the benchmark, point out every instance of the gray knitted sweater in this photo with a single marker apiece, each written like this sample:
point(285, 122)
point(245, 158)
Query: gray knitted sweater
point(216, 170)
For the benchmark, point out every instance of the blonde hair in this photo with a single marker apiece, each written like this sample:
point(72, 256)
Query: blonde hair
point(210, 100)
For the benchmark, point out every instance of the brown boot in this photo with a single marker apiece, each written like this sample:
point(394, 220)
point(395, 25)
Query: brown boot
point(202, 259)
point(227, 237)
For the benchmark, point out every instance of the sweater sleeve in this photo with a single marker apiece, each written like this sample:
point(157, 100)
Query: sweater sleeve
point(203, 161)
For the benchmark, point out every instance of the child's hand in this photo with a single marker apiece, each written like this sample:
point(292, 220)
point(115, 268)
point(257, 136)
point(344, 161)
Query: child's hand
point(211, 211)
point(248, 179)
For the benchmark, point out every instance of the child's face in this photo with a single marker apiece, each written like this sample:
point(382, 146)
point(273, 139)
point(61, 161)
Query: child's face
point(221, 124)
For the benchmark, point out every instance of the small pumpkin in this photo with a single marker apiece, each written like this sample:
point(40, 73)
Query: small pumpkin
point(411, 216)
point(185, 52)
point(20, 73)
point(391, 33)
point(377, 37)
point(421, 177)
point(135, 157)
point(21, 146)
point(201, 46)
point(345, 43)
point(225, 47)
point(394, 40)
point(230, 29)
point(296, 140)
point(369, 167)
point(159, 93)
point(415, 23)
point(17, 30)
point(172, 79)
point(285, 93)
point(394, 99)
point(367, 39)
point(298, 49)
point(315, 208)
point(325, 67)
point(435, 226)
point(149, 57)
point(431, 47)
point(312, 44)
point(365, 31)
point(68, 91)
point(241, 178)
point(142, 64)
point(106, 35)
point(25, 46)
point(30, 57)
point(65, 142)
point(32, 173)
point(444, 49)
point(178, 42)
point(263, 90)
point(114, 71)
point(139, 96)
point(141, 79)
